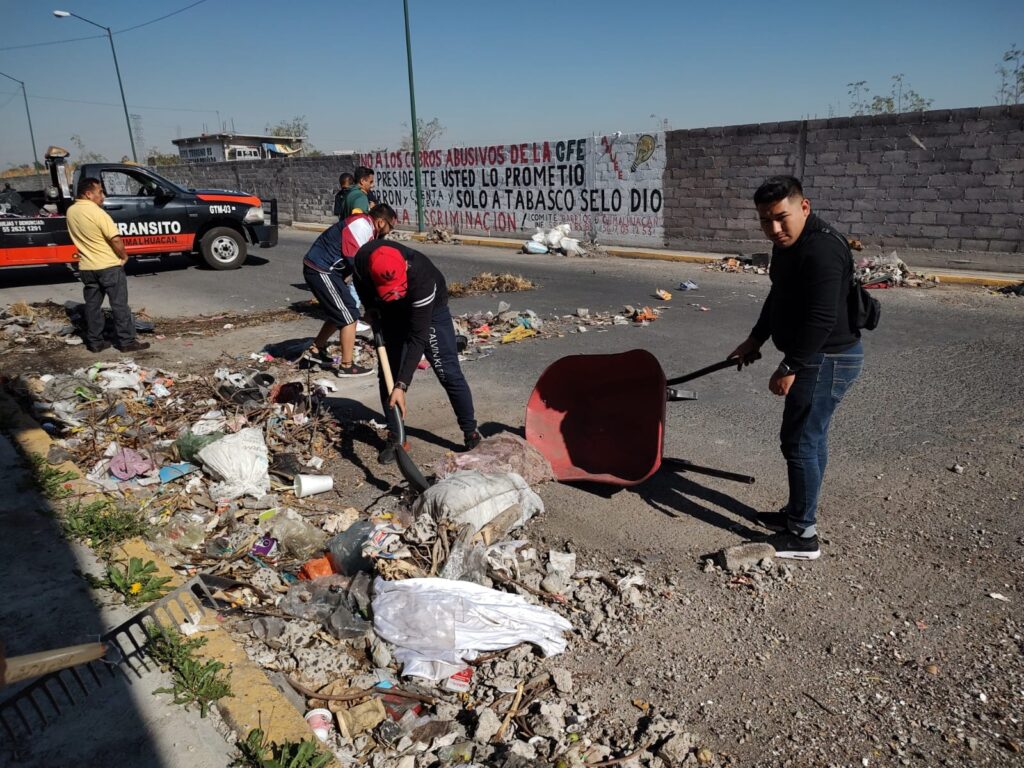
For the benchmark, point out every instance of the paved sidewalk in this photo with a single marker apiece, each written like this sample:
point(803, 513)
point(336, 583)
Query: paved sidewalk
point(47, 604)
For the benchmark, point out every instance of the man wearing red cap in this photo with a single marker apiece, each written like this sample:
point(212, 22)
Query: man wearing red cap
point(410, 297)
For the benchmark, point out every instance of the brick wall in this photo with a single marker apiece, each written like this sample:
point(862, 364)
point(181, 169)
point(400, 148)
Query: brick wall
point(947, 180)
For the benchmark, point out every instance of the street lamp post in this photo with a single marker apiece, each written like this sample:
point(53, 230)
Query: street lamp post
point(415, 127)
point(28, 114)
point(117, 69)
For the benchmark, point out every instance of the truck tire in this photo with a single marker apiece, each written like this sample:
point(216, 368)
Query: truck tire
point(223, 248)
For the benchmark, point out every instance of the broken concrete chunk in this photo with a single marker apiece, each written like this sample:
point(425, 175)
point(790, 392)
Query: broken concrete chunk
point(675, 750)
point(487, 725)
point(745, 556)
point(562, 678)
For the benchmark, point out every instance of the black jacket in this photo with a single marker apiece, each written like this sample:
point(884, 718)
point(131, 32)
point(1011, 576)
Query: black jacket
point(411, 315)
point(807, 309)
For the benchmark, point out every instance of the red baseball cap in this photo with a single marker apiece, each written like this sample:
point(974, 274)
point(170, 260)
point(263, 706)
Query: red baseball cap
point(389, 273)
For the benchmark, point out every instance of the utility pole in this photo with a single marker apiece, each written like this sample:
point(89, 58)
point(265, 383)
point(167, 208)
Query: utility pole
point(28, 114)
point(415, 127)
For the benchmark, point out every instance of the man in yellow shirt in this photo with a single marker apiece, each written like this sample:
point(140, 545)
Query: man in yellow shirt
point(101, 260)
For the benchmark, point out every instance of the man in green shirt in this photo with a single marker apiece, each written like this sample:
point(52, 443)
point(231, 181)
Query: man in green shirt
point(357, 200)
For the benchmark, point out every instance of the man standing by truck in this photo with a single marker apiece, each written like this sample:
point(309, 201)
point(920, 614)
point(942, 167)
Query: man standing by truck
point(101, 260)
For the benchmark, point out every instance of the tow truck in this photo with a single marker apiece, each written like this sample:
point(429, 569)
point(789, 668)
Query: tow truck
point(154, 216)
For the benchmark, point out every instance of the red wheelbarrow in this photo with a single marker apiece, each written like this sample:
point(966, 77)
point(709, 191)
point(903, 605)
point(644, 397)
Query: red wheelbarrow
point(601, 418)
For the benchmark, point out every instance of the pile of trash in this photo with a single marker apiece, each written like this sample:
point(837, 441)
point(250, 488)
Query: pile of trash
point(486, 282)
point(1012, 290)
point(479, 333)
point(422, 630)
point(25, 326)
point(420, 635)
point(186, 441)
point(886, 272)
point(756, 264)
point(557, 240)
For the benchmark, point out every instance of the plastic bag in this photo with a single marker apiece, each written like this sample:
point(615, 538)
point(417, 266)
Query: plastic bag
point(297, 537)
point(240, 463)
point(328, 601)
point(499, 454)
point(534, 247)
point(189, 444)
point(438, 625)
point(473, 498)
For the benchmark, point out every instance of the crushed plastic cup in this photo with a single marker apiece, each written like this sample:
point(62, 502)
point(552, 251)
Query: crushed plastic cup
point(321, 721)
point(308, 485)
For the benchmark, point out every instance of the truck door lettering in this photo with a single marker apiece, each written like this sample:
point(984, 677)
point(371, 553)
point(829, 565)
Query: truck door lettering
point(137, 228)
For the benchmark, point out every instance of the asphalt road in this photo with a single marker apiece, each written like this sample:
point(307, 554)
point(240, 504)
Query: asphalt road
point(904, 537)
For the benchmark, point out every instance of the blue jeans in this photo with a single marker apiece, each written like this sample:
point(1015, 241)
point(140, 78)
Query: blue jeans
point(443, 355)
point(804, 436)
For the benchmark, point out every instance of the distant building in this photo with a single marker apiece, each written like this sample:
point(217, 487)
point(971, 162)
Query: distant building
point(218, 147)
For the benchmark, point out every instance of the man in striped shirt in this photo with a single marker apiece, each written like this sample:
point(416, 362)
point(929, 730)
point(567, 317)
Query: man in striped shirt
point(325, 269)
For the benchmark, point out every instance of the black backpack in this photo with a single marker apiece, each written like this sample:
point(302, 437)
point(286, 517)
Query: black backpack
point(864, 309)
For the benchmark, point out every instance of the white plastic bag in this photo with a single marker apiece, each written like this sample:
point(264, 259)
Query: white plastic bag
point(240, 463)
point(554, 237)
point(437, 624)
point(535, 247)
point(474, 498)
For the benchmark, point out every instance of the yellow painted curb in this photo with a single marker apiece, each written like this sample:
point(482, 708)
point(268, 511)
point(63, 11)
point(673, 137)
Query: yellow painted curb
point(256, 702)
point(951, 278)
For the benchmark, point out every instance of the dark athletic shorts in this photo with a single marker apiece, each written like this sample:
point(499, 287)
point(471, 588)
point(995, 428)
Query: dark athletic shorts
point(333, 294)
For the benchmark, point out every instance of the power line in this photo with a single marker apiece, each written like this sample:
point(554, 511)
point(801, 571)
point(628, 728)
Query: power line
point(160, 18)
point(94, 37)
point(111, 104)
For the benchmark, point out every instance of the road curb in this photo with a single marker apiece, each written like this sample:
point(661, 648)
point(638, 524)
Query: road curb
point(688, 257)
point(256, 702)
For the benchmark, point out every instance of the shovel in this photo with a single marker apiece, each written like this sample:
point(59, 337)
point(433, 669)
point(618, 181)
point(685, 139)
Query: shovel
point(406, 465)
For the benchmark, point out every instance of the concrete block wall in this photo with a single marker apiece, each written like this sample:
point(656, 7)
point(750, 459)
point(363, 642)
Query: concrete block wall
point(304, 186)
point(946, 180)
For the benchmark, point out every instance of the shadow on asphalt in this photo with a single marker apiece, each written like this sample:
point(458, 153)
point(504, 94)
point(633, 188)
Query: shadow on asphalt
point(674, 496)
point(53, 274)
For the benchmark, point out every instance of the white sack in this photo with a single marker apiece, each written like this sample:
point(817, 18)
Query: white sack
point(240, 463)
point(475, 498)
point(438, 624)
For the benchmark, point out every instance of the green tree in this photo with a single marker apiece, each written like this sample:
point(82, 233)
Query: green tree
point(297, 126)
point(901, 98)
point(155, 157)
point(1011, 76)
point(428, 134)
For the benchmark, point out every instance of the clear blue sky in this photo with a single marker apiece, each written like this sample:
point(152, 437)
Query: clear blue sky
point(491, 72)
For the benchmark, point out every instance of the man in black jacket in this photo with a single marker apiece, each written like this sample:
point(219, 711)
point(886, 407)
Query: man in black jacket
point(807, 316)
point(409, 297)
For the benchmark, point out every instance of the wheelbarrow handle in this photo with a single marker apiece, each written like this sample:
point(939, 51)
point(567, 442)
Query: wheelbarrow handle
point(732, 361)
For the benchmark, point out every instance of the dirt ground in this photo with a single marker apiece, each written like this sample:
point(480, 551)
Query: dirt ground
point(901, 646)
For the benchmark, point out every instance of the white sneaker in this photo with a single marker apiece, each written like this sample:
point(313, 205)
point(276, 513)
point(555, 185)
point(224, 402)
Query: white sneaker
point(361, 327)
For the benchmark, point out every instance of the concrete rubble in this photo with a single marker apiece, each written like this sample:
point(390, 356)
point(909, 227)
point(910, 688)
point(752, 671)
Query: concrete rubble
point(295, 578)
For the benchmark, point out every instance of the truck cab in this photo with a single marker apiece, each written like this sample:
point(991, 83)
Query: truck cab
point(153, 216)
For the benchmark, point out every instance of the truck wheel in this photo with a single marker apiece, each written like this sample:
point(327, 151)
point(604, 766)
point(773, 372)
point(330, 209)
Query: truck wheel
point(223, 248)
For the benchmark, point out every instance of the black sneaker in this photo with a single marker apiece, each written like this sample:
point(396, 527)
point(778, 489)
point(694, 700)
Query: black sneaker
point(773, 521)
point(387, 454)
point(472, 440)
point(99, 347)
point(134, 346)
point(314, 356)
point(789, 546)
point(352, 369)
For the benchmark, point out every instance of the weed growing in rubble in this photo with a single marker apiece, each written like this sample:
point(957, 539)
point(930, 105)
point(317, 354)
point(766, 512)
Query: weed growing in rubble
point(259, 752)
point(138, 583)
point(102, 524)
point(50, 481)
point(194, 682)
